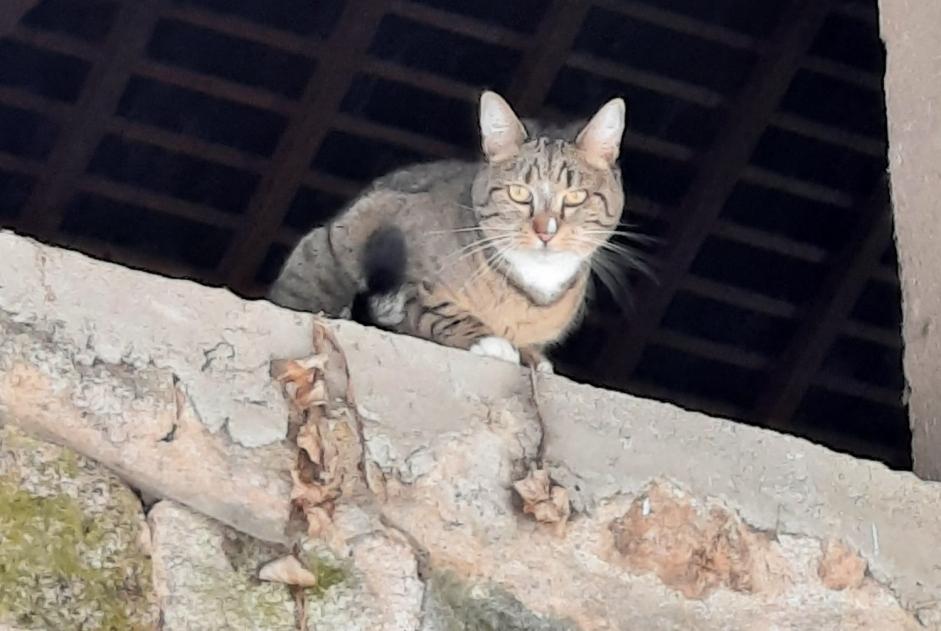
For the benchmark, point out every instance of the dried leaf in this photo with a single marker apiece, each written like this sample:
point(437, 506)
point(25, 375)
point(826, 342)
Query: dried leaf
point(325, 448)
point(310, 494)
point(302, 378)
point(289, 571)
point(534, 488)
point(546, 503)
point(331, 460)
point(314, 499)
point(309, 439)
point(310, 395)
point(285, 370)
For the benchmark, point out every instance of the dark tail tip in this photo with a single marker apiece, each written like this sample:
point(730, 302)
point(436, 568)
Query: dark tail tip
point(384, 260)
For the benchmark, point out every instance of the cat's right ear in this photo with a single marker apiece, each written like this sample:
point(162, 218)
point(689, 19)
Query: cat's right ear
point(501, 132)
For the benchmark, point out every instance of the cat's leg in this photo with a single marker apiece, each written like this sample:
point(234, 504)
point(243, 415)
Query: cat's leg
point(313, 280)
point(436, 317)
point(534, 357)
point(496, 346)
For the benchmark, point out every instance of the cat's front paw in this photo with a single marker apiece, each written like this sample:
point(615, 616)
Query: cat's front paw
point(498, 347)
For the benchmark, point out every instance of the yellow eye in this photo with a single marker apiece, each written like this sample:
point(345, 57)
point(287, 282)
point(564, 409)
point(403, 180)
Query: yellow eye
point(519, 194)
point(575, 198)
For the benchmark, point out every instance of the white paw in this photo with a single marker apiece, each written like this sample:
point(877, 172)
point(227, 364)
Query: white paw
point(497, 347)
point(545, 366)
point(388, 309)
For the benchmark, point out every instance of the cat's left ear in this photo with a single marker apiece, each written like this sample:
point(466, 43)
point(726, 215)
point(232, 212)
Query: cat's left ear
point(600, 140)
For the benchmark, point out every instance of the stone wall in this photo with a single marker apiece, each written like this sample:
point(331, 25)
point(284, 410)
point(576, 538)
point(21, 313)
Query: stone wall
point(913, 101)
point(679, 521)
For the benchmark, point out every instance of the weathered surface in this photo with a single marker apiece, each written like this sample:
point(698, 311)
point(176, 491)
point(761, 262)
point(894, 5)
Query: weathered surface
point(913, 102)
point(841, 567)
point(132, 378)
point(109, 321)
point(451, 432)
point(205, 576)
point(74, 547)
point(694, 550)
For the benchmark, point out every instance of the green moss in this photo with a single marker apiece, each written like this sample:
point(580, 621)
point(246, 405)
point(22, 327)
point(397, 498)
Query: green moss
point(210, 597)
point(241, 601)
point(69, 543)
point(327, 577)
point(328, 573)
point(69, 462)
point(49, 551)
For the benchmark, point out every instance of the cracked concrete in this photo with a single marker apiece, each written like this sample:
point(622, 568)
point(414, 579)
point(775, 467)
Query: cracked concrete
point(146, 391)
point(164, 330)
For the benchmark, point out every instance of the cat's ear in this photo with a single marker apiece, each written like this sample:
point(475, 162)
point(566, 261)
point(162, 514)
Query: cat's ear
point(600, 140)
point(501, 132)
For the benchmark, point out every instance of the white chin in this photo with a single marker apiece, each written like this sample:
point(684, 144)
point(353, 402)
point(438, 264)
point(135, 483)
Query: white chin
point(543, 272)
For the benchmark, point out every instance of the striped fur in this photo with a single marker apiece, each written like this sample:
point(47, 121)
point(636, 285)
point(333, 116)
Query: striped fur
point(499, 249)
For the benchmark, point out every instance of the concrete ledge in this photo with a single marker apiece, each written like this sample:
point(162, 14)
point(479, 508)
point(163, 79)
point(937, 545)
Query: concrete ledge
point(167, 383)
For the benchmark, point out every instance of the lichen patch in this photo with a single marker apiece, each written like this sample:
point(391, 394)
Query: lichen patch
point(70, 543)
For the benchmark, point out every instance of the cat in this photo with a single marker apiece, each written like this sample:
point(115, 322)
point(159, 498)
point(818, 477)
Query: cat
point(493, 256)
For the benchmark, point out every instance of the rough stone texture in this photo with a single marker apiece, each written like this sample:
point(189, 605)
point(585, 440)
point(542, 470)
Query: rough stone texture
point(913, 101)
point(164, 329)
point(204, 576)
point(694, 550)
point(444, 544)
point(74, 547)
point(381, 590)
point(129, 376)
point(841, 567)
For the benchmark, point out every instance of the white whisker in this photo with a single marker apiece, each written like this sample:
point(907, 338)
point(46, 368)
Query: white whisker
point(497, 256)
point(477, 246)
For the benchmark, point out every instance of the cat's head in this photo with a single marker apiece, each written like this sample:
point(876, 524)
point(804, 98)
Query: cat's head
point(541, 196)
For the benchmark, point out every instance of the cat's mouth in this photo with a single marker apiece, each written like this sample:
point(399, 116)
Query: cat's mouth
point(550, 251)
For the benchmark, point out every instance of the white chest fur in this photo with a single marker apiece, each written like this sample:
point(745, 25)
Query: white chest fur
point(544, 275)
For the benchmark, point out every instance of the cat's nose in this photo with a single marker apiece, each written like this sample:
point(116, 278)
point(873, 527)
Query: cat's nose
point(545, 227)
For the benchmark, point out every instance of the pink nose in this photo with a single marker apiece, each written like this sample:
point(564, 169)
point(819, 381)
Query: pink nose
point(545, 227)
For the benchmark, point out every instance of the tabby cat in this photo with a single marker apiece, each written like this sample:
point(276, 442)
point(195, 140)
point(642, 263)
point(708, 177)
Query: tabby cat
point(493, 256)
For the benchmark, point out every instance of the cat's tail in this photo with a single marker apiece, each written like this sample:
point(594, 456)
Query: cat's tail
point(384, 261)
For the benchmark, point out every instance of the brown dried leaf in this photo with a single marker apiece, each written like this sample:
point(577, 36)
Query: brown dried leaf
point(310, 440)
point(285, 370)
point(288, 371)
point(289, 571)
point(331, 460)
point(548, 504)
point(310, 395)
point(534, 487)
point(302, 379)
point(310, 494)
point(316, 502)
